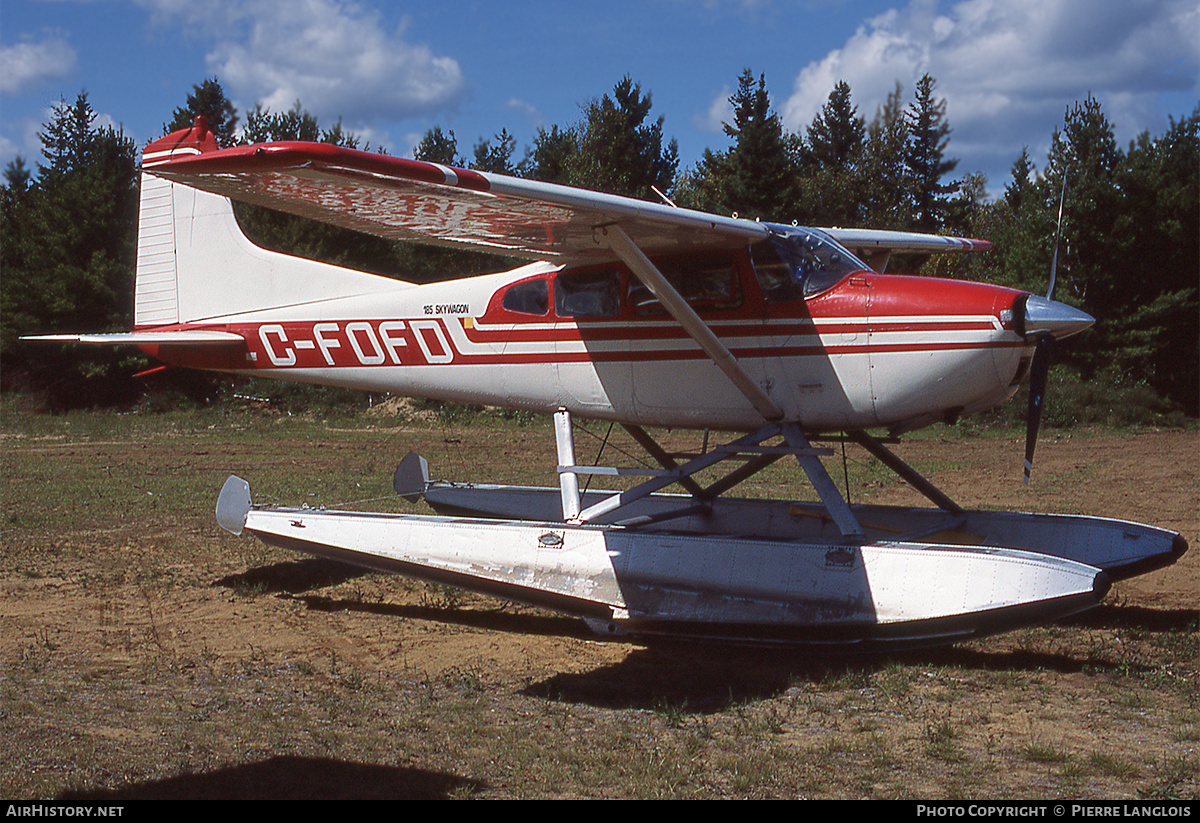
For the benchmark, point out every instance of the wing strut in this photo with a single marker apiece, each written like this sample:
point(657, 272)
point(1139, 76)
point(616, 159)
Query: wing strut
point(827, 490)
point(906, 472)
point(699, 331)
point(750, 446)
point(568, 480)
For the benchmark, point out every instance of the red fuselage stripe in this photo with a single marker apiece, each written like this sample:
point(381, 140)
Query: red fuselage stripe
point(431, 341)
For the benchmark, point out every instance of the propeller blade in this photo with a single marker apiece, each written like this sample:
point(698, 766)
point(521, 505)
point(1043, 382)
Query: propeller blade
point(1057, 236)
point(1047, 319)
point(1039, 370)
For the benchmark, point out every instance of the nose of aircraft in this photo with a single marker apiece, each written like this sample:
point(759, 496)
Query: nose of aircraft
point(1059, 320)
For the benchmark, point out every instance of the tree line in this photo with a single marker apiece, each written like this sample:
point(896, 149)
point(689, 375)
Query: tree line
point(1129, 252)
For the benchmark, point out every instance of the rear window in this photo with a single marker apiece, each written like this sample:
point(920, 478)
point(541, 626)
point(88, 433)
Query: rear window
point(530, 297)
point(588, 293)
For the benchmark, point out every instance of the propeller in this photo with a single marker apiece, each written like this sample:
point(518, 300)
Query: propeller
point(1045, 320)
point(1039, 370)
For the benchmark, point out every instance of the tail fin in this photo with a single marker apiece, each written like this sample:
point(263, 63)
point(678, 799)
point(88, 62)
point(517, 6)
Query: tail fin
point(194, 263)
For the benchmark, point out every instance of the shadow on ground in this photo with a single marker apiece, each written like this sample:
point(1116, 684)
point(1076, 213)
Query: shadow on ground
point(296, 778)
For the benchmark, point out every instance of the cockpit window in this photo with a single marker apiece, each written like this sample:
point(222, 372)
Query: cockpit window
point(800, 263)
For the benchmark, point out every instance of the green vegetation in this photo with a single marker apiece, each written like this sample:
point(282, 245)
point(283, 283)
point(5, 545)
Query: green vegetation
point(1129, 255)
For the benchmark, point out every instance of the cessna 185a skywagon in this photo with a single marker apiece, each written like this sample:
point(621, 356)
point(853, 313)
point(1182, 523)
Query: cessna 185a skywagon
point(644, 315)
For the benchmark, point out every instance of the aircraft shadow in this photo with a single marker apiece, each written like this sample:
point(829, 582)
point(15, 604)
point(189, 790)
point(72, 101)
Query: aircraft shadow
point(1112, 616)
point(292, 576)
point(552, 625)
point(295, 778)
point(295, 579)
point(690, 676)
point(497, 619)
point(693, 679)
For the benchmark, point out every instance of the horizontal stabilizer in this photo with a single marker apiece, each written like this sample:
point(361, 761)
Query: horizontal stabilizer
point(147, 338)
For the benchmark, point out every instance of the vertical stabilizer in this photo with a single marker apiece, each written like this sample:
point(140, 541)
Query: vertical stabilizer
point(156, 294)
point(194, 263)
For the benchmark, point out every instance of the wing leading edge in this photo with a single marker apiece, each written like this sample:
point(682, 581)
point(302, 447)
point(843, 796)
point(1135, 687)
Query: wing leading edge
point(404, 199)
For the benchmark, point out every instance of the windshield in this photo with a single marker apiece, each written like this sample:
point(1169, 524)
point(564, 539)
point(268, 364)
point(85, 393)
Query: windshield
point(800, 263)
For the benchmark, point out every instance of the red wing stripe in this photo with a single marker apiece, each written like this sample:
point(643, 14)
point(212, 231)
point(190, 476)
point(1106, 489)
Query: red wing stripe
point(276, 157)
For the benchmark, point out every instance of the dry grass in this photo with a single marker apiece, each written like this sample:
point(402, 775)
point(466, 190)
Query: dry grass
point(144, 653)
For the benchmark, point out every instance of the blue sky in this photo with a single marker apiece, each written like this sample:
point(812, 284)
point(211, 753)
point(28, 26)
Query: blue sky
point(1008, 69)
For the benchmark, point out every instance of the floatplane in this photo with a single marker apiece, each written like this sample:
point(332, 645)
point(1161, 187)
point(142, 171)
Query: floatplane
point(766, 337)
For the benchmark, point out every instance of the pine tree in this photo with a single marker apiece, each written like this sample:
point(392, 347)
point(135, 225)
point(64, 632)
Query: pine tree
point(613, 148)
point(1128, 254)
point(757, 176)
point(68, 250)
point(831, 186)
point(1084, 151)
point(1160, 213)
point(208, 99)
point(836, 135)
point(297, 123)
point(550, 159)
point(1019, 228)
point(438, 146)
point(925, 156)
point(496, 157)
point(886, 181)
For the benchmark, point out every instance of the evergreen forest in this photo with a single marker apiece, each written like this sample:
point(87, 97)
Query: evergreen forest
point(1129, 252)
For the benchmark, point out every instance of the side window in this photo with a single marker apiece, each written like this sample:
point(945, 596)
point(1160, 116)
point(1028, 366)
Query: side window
point(587, 294)
point(774, 273)
point(706, 283)
point(530, 297)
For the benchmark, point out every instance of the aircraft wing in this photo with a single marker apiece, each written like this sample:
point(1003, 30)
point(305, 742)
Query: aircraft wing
point(867, 242)
point(876, 246)
point(404, 199)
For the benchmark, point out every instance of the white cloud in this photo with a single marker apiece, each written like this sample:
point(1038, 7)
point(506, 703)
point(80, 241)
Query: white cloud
point(526, 110)
point(1009, 69)
point(8, 151)
point(718, 113)
point(30, 62)
point(337, 58)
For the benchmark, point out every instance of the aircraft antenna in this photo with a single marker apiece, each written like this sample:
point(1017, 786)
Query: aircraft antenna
point(666, 199)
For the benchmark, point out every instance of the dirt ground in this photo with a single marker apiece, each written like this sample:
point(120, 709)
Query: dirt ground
point(145, 653)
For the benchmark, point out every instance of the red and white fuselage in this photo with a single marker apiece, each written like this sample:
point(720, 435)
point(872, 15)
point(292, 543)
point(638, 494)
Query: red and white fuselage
point(726, 322)
point(872, 350)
